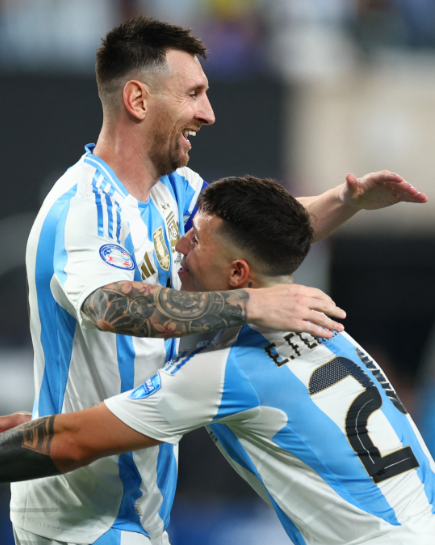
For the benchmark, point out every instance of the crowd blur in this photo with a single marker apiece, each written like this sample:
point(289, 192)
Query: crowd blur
point(294, 38)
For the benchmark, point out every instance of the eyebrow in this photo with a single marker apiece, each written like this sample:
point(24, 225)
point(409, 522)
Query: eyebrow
point(195, 231)
point(199, 87)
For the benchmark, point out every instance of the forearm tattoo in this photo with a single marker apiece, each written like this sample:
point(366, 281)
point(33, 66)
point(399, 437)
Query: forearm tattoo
point(144, 310)
point(25, 451)
point(37, 435)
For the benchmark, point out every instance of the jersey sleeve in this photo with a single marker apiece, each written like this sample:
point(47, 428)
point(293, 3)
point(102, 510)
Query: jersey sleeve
point(92, 249)
point(183, 396)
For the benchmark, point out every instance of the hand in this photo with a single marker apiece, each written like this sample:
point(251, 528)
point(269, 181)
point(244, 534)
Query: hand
point(378, 190)
point(291, 307)
point(12, 420)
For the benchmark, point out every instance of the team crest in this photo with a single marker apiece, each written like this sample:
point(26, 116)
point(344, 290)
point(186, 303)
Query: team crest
point(149, 387)
point(117, 256)
point(174, 233)
point(161, 250)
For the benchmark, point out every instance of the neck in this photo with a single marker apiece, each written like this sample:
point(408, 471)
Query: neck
point(121, 148)
point(261, 281)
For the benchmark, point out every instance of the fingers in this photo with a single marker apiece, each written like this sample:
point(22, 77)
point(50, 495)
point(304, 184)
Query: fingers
point(351, 179)
point(13, 420)
point(315, 330)
point(317, 323)
point(407, 193)
point(295, 308)
point(405, 190)
point(316, 300)
point(382, 176)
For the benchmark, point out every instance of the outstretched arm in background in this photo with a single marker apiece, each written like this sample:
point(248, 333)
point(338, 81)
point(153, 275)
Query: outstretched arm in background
point(371, 192)
point(57, 444)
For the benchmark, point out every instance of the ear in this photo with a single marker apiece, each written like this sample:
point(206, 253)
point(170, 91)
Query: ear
point(135, 97)
point(240, 273)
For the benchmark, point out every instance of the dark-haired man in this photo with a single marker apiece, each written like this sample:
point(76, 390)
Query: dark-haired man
point(311, 423)
point(100, 256)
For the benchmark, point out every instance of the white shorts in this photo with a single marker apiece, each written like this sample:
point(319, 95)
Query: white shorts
point(112, 537)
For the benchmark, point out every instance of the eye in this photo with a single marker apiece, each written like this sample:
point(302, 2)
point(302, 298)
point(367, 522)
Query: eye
point(194, 239)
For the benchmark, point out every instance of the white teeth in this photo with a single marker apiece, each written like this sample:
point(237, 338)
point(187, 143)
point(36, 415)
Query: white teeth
point(189, 133)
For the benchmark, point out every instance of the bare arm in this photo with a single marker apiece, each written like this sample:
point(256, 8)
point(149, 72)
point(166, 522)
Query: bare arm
point(143, 310)
point(373, 191)
point(12, 420)
point(58, 444)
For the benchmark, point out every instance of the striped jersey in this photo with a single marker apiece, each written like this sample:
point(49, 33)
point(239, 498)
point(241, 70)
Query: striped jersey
point(91, 232)
point(312, 424)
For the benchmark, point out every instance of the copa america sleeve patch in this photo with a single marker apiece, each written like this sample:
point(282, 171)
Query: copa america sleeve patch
point(117, 256)
point(149, 387)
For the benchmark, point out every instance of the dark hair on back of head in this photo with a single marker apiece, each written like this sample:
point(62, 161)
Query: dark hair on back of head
point(140, 43)
point(261, 217)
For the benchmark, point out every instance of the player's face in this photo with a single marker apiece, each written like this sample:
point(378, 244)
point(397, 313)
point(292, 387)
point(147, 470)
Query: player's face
point(179, 111)
point(206, 265)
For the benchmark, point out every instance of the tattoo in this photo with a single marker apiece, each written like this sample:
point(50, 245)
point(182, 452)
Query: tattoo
point(143, 310)
point(37, 435)
point(250, 285)
point(25, 451)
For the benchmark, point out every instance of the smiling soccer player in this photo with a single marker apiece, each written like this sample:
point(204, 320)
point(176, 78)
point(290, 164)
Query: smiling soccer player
point(313, 424)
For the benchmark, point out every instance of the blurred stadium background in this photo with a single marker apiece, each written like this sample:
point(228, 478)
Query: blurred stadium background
point(304, 91)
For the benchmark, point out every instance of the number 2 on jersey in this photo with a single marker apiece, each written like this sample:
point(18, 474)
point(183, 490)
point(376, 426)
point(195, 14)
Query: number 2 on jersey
point(364, 405)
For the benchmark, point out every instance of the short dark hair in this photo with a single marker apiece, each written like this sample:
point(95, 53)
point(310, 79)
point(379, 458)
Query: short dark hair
point(141, 43)
point(261, 217)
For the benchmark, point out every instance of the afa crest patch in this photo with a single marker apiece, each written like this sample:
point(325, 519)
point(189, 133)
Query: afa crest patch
point(161, 250)
point(149, 387)
point(117, 256)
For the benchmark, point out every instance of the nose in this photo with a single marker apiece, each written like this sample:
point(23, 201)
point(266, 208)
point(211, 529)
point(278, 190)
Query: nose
point(183, 244)
point(205, 113)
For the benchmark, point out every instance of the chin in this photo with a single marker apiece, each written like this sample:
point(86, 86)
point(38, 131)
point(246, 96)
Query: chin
point(182, 162)
point(186, 287)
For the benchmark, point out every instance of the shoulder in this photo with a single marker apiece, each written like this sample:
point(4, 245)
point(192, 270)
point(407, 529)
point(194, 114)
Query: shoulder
point(186, 175)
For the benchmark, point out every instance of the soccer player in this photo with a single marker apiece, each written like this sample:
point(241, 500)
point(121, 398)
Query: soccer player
point(313, 424)
point(101, 260)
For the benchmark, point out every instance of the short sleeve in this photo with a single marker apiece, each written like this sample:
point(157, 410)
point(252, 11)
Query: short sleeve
point(183, 396)
point(92, 249)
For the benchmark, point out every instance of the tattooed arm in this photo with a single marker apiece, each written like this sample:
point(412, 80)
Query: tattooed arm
point(24, 451)
point(58, 444)
point(144, 310)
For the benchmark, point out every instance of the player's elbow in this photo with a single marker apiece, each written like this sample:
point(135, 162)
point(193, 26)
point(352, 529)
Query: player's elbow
point(71, 454)
point(70, 444)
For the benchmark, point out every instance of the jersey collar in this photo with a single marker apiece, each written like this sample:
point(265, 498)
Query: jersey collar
point(104, 167)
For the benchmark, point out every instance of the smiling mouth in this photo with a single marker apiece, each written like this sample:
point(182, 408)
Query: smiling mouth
point(188, 132)
point(183, 267)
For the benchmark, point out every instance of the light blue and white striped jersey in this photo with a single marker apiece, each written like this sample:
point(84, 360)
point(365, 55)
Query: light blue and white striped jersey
point(312, 424)
point(89, 233)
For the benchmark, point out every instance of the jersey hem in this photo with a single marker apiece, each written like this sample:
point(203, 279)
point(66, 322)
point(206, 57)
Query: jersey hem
point(53, 532)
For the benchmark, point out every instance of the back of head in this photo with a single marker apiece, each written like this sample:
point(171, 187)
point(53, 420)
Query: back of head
point(136, 47)
point(263, 220)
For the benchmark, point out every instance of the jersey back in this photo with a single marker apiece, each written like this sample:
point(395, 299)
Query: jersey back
point(312, 424)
